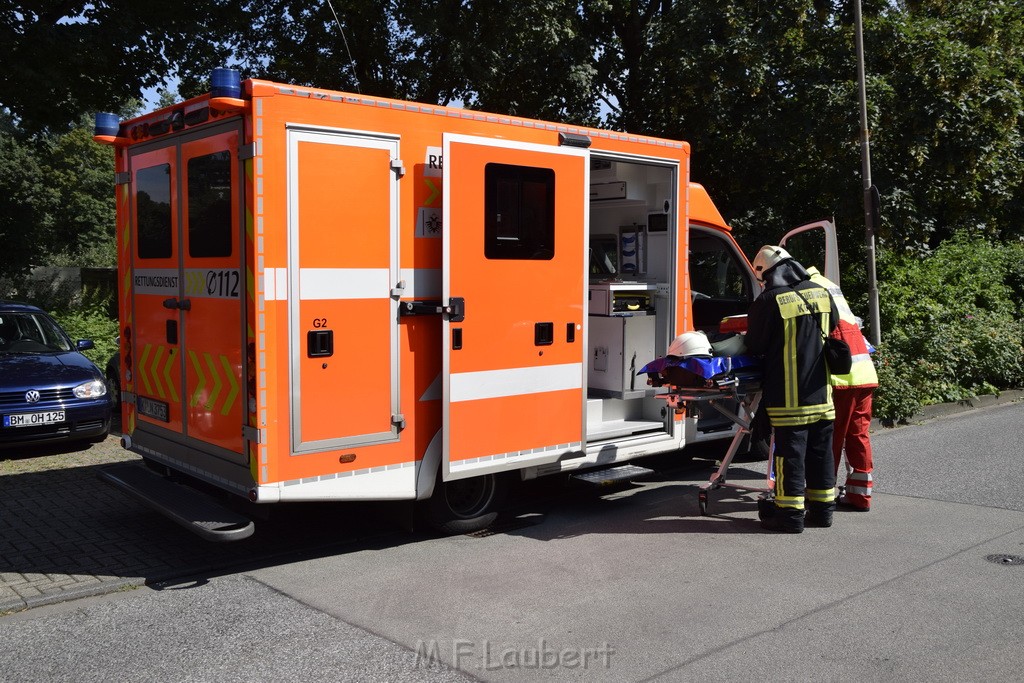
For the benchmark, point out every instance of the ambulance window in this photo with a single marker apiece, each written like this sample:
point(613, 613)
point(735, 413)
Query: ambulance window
point(209, 205)
point(719, 282)
point(153, 211)
point(715, 270)
point(519, 212)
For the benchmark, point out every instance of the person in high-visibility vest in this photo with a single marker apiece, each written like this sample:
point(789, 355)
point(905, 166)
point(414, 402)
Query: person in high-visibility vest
point(786, 327)
point(851, 395)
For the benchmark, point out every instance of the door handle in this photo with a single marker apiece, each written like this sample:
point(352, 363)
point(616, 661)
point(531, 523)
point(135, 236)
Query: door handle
point(182, 304)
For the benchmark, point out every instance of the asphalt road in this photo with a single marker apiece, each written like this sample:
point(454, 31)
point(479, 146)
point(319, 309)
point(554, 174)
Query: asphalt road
point(626, 586)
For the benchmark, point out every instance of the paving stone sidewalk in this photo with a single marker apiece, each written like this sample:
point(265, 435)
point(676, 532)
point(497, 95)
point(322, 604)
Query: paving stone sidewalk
point(65, 533)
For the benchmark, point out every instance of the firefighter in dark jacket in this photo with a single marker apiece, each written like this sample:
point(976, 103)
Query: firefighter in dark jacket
point(786, 326)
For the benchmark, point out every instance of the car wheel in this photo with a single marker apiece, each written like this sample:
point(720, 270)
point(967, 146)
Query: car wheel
point(466, 505)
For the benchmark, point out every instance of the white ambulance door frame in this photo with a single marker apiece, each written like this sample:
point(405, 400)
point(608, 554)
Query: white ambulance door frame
point(548, 456)
point(297, 133)
point(679, 225)
point(831, 245)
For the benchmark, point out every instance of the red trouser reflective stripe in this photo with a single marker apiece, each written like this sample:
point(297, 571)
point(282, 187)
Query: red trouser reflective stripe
point(853, 422)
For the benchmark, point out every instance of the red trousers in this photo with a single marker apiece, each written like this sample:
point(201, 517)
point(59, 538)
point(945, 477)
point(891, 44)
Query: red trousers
point(853, 421)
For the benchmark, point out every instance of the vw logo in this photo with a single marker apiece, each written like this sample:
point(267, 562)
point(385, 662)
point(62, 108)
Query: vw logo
point(32, 396)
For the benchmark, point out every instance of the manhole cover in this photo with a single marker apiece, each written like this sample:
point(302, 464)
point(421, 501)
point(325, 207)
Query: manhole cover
point(1012, 560)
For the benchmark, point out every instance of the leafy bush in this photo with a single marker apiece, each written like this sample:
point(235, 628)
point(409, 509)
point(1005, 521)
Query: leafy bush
point(952, 325)
point(91, 321)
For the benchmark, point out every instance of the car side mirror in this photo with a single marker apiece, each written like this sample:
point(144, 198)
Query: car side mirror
point(85, 344)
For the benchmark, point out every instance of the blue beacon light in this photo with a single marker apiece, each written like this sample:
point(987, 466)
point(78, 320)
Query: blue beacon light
point(225, 83)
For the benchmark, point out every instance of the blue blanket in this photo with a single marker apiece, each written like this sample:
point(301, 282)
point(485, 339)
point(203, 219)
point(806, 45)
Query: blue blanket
point(704, 367)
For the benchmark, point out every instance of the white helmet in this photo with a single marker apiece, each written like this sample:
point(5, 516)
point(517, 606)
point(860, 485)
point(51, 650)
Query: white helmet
point(690, 344)
point(767, 258)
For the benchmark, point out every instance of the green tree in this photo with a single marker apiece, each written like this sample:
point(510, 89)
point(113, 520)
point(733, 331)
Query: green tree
point(948, 100)
point(81, 175)
point(26, 203)
point(62, 60)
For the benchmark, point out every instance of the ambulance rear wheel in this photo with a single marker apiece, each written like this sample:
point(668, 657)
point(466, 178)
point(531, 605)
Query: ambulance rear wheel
point(465, 505)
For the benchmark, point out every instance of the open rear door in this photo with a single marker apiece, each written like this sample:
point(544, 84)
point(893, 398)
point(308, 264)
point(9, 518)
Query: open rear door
point(515, 240)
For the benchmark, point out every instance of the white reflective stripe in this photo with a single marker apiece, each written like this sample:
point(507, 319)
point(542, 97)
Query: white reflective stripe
point(275, 284)
point(858, 476)
point(282, 284)
point(858, 357)
point(473, 386)
point(421, 283)
point(156, 281)
point(859, 490)
point(343, 283)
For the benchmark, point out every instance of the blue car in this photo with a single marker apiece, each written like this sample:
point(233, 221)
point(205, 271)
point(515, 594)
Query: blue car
point(49, 391)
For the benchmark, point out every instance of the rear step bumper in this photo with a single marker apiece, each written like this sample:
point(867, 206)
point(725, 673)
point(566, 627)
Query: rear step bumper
point(190, 508)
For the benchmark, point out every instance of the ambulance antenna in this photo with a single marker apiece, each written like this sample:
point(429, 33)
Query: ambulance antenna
point(351, 64)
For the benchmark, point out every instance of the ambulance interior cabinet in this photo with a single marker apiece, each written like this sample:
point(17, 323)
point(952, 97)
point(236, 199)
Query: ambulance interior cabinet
point(619, 347)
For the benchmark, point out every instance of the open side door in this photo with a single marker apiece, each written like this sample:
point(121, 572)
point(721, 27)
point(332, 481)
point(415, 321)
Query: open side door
point(815, 249)
point(515, 245)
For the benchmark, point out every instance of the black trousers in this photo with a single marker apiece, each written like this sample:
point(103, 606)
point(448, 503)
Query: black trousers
point(804, 468)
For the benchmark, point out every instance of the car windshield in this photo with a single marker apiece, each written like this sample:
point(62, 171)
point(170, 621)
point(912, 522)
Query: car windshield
point(31, 333)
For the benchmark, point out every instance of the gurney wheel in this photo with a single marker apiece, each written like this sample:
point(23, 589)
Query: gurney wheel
point(702, 502)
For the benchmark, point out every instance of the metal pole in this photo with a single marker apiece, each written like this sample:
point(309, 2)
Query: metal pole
point(865, 156)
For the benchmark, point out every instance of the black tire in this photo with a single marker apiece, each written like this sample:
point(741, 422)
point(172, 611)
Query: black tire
point(465, 505)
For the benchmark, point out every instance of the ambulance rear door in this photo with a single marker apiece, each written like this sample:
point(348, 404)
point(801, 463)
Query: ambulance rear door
point(185, 343)
point(514, 269)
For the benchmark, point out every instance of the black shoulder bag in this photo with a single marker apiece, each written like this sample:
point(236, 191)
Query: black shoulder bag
point(837, 352)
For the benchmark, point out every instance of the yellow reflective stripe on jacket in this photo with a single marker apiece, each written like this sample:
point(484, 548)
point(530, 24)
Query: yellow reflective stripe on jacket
point(800, 420)
point(861, 373)
point(789, 364)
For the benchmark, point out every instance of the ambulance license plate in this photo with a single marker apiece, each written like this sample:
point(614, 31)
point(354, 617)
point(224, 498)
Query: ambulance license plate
point(34, 419)
point(158, 410)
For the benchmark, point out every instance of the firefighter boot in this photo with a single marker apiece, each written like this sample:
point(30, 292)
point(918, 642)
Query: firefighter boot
point(784, 520)
point(819, 515)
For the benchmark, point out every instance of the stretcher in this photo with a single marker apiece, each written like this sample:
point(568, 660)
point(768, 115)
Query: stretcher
point(732, 386)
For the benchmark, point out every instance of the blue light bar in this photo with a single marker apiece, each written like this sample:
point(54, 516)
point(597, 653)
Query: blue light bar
point(107, 124)
point(225, 83)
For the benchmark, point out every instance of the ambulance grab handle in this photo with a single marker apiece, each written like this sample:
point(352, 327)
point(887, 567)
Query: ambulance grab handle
point(183, 304)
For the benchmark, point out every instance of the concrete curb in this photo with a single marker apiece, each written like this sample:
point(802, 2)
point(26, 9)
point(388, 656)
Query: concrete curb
point(945, 409)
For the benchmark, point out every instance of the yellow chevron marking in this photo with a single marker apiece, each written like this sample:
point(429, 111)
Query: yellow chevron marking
point(434, 192)
point(142, 369)
point(194, 283)
point(167, 375)
point(131, 422)
point(229, 373)
point(156, 370)
point(210, 402)
point(197, 366)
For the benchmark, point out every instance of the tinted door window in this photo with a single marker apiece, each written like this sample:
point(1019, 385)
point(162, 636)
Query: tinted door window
point(209, 205)
point(153, 211)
